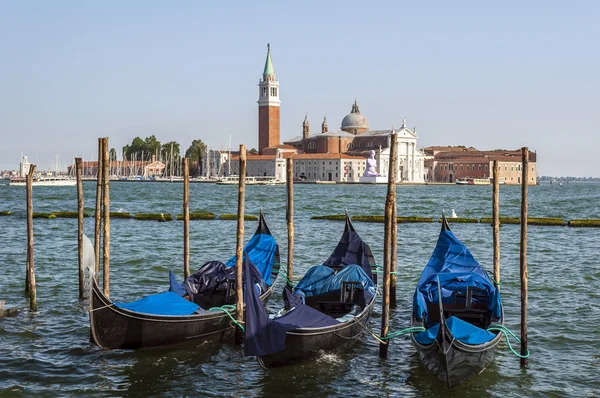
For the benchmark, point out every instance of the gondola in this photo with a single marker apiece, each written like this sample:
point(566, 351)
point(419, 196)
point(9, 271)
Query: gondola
point(327, 310)
point(173, 317)
point(456, 302)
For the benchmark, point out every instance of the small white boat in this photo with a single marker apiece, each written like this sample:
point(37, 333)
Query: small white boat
point(40, 181)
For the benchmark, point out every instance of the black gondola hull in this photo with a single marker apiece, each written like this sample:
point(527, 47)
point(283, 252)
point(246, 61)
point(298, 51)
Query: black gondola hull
point(305, 344)
point(117, 328)
point(452, 362)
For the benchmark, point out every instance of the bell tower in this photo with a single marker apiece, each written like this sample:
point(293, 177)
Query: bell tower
point(268, 106)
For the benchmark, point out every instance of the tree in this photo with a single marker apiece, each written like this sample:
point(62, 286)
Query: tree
point(196, 151)
point(112, 154)
point(253, 151)
point(134, 151)
point(151, 146)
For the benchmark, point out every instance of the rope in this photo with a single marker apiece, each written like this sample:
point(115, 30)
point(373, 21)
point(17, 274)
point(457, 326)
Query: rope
point(506, 331)
point(414, 329)
point(100, 308)
point(491, 276)
point(283, 272)
point(226, 308)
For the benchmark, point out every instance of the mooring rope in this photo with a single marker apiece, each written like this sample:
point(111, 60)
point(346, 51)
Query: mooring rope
point(226, 308)
point(506, 331)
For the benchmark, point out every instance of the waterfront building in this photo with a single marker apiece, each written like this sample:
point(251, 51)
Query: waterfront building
point(337, 156)
point(446, 164)
point(215, 163)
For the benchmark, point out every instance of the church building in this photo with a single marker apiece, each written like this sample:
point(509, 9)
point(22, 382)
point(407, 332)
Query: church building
point(337, 156)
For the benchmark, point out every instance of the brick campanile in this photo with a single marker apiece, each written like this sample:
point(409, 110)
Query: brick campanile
point(268, 106)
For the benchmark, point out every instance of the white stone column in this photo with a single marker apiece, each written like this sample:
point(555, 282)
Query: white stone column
point(413, 162)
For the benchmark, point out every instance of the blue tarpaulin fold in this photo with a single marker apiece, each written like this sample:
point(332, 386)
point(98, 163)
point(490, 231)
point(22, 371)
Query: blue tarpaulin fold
point(456, 268)
point(461, 330)
point(261, 249)
point(166, 303)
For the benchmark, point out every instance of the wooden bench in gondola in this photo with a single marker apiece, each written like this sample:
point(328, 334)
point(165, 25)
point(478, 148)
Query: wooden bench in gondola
point(470, 306)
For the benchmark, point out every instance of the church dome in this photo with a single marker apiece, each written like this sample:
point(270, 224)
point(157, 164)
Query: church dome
point(355, 122)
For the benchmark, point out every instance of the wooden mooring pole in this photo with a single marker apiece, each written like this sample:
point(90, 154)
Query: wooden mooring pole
point(30, 281)
point(523, 254)
point(387, 247)
point(496, 223)
point(290, 218)
point(239, 334)
point(79, 172)
point(98, 213)
point(393, 230)
point(106, 205)
point(186, 218)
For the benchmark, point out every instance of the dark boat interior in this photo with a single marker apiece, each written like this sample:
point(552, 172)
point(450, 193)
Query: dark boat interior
point(470, 306)
point(341, 302)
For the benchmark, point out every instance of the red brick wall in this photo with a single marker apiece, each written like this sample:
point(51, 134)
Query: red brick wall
point(268, 126)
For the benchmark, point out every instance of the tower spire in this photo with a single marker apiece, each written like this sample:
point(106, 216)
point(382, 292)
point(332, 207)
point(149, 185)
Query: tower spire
point(355, 107)
point(324, 126)
point(269, 70)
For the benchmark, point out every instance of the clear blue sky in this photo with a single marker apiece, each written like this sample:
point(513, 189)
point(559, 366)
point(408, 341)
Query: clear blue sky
point(487, 74)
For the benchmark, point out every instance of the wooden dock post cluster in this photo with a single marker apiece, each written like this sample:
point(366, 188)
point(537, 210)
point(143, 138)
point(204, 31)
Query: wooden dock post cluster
point(290, 218)
point(388, 245)
point(30, 286)
point(239, 335)
point(523, 253)
point(102, 216)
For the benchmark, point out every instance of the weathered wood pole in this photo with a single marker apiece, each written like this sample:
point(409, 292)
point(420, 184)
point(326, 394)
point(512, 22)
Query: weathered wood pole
point(290, 217)
point(98, 214)
point(79, 172)
point(387, 246)
point(239, 335)
point(523, 256)
point(496, 222)
point(186, 218)
point(106, 240)
point(393, 232)
point(30, 281)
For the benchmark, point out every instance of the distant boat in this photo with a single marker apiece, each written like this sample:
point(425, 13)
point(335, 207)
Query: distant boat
point(453, 214)
point(44, 181)
point(472, 181)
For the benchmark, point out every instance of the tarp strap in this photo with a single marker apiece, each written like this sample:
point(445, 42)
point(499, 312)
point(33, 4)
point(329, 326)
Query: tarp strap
point(506, 331)
point(226, 309)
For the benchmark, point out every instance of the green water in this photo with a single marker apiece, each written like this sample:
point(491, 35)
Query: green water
point(48, 353)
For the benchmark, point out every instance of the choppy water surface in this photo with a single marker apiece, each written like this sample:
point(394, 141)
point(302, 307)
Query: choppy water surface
point(49, 352)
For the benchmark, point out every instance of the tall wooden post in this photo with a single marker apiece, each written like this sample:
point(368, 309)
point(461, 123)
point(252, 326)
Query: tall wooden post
point(186, 218)
point(30, 280)
point(523, 253)
point(239, 336)
point(393, 229)
point(290, 217)
point(98, 214)
point(496, 222)
point(106, 240)
point(387, 247)
point(79, 172)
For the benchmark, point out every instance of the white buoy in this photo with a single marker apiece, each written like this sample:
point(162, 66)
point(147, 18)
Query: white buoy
point(453, 215)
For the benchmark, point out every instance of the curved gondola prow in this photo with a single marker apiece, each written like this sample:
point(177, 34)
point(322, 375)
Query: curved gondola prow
point(348, 227)
point(442, 342)
point(445, 226)
point(262, 225)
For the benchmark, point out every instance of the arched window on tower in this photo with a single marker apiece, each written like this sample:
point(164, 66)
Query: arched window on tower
point(264, 92)
point(312, 145)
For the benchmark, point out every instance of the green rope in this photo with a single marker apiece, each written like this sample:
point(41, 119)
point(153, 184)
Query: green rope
point(491, 276)
point(414, 329)
point(283, 272)
point(226, 308)
point(506, 331)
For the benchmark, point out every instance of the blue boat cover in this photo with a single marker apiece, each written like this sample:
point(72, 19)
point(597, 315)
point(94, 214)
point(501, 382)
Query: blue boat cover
point(165, 303)
point(261, 249)
point(351, 249)
point(175, 286)
point(461, 330)
point(456, 269)
point(264, 336)
point(321, 279)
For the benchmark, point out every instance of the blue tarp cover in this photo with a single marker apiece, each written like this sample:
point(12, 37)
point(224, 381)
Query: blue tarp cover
point(261, 249)
point(321, 279)
point(456, 269)
point(264, 336)
point(461, 330)
point(166, 303)
point(351, 249)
